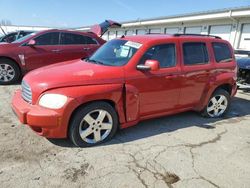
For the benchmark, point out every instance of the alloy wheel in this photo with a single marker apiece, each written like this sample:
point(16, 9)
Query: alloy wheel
point(217, 106)
point(95, 126)
point(7, 73)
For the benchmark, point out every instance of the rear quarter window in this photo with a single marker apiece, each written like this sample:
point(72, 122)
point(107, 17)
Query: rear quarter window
point(222, 52)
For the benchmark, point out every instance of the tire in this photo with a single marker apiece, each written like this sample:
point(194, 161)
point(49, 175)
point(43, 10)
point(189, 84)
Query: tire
point(9, 72)
point(218, 104)
point(96, 122)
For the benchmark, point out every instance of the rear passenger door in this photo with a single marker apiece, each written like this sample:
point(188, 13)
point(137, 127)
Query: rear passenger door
point(196, 69)
point(76, 46)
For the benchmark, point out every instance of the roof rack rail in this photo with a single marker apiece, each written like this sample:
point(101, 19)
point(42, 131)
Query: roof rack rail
point(148, 33)
point(201, 35)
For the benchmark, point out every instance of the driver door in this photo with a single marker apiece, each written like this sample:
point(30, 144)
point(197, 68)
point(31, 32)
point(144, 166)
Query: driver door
point(158, 90)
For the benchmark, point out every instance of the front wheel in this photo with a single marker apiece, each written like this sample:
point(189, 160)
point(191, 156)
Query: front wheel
point(218, 104)
point(93, 124)
point(9, 72)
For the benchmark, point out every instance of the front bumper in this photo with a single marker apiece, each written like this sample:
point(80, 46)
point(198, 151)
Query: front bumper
point(45, 122)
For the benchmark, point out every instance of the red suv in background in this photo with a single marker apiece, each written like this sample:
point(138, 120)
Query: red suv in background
point(48, 47)
point(128, 80)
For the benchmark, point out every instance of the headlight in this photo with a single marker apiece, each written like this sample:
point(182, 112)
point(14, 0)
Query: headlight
point(54, 101)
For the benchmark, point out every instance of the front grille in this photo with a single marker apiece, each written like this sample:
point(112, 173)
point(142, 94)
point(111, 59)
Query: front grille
point(26, 92)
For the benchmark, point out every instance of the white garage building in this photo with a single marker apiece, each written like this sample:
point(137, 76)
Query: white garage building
point(231, 24)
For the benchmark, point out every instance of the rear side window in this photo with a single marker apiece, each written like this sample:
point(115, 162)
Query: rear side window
point(71, 39)
point(195, 53)
point(90, 40)
point(222, 52)
point(48, 39)
point(164, 53)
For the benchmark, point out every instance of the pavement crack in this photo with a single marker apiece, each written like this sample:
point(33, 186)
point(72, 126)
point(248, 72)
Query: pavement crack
point(193, 146)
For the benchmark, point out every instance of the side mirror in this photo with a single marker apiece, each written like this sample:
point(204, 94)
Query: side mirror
point(31, 43)
point(150, 64)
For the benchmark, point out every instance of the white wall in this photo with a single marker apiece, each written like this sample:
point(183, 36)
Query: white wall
point(235, 31)
point(8, 29)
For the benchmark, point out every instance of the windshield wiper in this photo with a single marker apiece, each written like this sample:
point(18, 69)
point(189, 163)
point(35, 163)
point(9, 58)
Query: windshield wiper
point(94, 61)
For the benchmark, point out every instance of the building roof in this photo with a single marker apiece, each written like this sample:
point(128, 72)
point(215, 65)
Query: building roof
point(197, 16)
point(243, 8)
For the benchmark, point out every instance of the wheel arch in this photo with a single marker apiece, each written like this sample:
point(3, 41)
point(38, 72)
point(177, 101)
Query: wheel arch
point(11, 59)
point(206, 96)
point(108, 101)
point(226, 86)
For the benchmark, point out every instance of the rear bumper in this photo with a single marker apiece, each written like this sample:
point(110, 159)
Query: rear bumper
point(45, 122)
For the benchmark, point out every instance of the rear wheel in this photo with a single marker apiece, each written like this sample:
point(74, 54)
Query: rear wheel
point(93, 124)
point(9, 72)
point(218, 104)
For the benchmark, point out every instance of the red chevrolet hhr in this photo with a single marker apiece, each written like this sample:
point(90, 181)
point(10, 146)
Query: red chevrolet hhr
point(128, 80)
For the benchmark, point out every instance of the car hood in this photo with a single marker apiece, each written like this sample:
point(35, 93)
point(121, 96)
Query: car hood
point(8, 45)
point(72, 73)
point(243, 63)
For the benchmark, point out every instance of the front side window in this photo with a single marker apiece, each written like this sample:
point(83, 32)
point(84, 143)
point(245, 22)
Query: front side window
point(48, 39)
point(222, 52)
point(164, 54)
point(72, 39)
point(24, 38)
point(115, 53)
point(195, 53)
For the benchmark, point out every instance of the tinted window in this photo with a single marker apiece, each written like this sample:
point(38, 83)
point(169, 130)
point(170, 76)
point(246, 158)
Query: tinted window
point(165, 54)
point(70, 38)
point(90, 40)
point(195, 53)
point(48, 39)
point(222, 52)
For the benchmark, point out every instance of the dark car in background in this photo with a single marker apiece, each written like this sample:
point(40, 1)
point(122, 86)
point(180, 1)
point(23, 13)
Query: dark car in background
point(48, 47)
point(243, 72)
point(243, 62)
point(11, 37)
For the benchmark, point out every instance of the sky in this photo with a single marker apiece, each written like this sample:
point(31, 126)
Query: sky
point(77, 13)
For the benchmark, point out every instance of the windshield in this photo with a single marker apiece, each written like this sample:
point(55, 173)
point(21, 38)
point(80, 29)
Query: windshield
point(24, 38)
point(115, 53)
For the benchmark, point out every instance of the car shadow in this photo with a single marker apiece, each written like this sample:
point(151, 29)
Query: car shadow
point(153, 127)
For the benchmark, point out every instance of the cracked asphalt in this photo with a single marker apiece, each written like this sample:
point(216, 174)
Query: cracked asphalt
point(183, 150)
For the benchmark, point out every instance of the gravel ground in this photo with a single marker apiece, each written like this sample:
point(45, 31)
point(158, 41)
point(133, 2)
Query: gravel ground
point(183, 150)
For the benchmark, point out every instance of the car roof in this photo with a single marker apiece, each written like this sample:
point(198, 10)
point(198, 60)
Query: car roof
point(65, 30)
point(155, 37)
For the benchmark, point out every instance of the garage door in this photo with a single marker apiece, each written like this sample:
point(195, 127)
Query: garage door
point(193, 30)
point(172, 30)
point(120, 33)
point(223, 31)
point(155, 30)
point(112, 35)
point(245, 37)
point(130, 32)
point(141, 31)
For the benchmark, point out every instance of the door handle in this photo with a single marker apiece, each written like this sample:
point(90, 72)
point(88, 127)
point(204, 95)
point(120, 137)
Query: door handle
point(86, 49)
point(56, 50)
